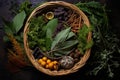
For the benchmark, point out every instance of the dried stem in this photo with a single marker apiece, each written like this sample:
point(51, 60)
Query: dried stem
point(75, 22)
point(15, 60)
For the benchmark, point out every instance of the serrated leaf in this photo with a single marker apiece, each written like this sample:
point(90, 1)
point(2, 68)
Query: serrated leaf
point(18, 21)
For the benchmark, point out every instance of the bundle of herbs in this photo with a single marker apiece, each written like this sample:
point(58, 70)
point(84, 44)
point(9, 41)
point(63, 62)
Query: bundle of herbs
point(106, 50)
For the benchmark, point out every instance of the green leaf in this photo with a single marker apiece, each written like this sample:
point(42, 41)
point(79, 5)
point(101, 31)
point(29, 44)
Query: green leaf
point(63, 43)
point(51, 26)
point(70, 35)
point(67, 44)
point(60, 37)
point(18, 21)
point(64, 48)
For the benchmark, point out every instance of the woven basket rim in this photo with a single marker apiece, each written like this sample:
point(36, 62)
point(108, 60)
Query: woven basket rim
point(79, 64)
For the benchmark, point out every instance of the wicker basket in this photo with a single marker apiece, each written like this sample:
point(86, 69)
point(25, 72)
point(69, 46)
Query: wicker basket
point(80, 63)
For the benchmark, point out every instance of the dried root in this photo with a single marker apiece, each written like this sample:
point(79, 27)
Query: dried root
point(75, 22)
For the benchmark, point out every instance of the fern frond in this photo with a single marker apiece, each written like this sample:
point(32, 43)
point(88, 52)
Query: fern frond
point(15, 59)
point(16, 46)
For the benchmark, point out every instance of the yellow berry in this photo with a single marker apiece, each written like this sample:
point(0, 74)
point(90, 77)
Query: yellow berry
point(43, 63)
point(48, 61)
point(44, 58)
point(40, 60)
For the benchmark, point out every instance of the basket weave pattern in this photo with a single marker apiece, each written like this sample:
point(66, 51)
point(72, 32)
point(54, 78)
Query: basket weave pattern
point(79, 64)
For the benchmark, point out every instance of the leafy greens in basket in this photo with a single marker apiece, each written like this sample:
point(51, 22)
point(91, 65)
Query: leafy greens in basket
point(41, 35)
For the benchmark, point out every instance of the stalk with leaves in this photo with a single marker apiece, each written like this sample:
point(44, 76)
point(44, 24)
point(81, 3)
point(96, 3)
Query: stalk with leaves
point(105, 48)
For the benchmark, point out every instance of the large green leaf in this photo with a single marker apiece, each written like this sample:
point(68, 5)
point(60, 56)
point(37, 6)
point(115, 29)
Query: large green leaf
point(51, 26)
point(60, 37)
point(18, 21)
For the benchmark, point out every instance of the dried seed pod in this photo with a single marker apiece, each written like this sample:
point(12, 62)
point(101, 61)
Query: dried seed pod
point(67, 62)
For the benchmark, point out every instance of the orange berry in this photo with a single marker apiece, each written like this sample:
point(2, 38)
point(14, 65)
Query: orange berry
point(44, 58)
point(43, 63)
point(48, 61)
point(50, 65)
point(40, 60)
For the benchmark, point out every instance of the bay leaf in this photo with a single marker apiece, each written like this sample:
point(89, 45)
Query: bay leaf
point(60, 37)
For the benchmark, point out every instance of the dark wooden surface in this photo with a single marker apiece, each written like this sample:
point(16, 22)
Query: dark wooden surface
point(30, 73)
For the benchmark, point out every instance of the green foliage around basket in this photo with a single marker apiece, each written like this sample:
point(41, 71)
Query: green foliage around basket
point(26, 6)
point(13, 27)
point(82, 37)
point(106, 44)
point(96, 13)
